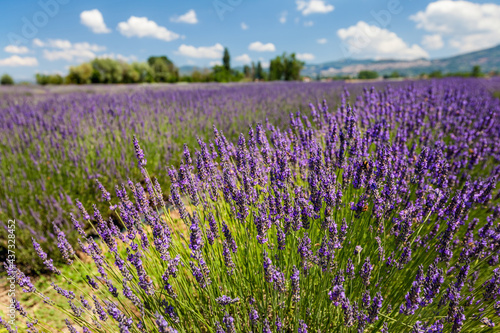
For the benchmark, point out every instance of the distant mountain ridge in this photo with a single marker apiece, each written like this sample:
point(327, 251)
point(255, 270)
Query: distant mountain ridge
point(488, 59)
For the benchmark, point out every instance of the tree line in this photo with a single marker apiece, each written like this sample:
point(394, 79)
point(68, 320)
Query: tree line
point(162, 70)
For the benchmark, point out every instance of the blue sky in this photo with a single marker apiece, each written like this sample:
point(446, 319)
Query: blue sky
point(48, 36)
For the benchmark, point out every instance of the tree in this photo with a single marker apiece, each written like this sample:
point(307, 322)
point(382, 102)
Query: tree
point(292, 67)
point(436, 74)
point(106, 70)
point(6, 80)
point(54, 79)
point(476, 71)
point(367, 75)
point(226, 60)
point(276, 69)
point(80, 74)
point(259, 73)
point(285, 67)
point(163, 69)
point(247, 71)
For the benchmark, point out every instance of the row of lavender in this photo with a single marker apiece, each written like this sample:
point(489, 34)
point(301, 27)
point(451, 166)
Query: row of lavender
point(379, 216)
point(54, 145)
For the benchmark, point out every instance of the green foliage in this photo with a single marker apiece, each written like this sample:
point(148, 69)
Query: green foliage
point(163, 69)
point(393, 75)
point(436, 74)
point(476, 71)
point(80, 74)
point(6, 80)
point(53, 79)
point(285, 67)
point(226, 60)
point(259, 72)
point(366, 75)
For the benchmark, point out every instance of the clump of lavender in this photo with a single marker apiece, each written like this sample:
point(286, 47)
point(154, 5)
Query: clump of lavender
point(364, 218)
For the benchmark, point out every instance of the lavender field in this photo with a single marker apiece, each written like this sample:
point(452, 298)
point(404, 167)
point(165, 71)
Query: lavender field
point(260, 207)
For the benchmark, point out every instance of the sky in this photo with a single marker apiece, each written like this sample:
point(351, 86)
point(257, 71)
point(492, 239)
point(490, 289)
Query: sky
point(49, 36)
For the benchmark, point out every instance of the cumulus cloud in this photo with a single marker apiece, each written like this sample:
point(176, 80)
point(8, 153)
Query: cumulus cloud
point(244, 26)
point(305, 56)
point(322, 41)
point(189, 18)
point(143, 27)
point(244, 58)
point(467, 26)
point(283, 17)
point(117, 56)
point(59, 49)
point(308, 7)
point(370, 41)
point(215, 63)
point(260, 47)
point(432, 42)
point(17, 61)
point(16, 49)
point(208, 52)
point(93, 20)
point(38, 42)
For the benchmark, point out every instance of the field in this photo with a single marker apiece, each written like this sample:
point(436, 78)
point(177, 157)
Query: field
point(273, 207)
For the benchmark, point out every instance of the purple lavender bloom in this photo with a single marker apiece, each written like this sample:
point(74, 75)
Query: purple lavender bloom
point(105, 194)
point(163, 325)
point(413, 299)
point(366, 271)
point(253, 316)
point(295, 278)
point(64, 246)
point(229, 323)
point(84, 213)
point(196, 240)
point(226, 300)
point(49, 263)
point(302, 327)
point(139, 153)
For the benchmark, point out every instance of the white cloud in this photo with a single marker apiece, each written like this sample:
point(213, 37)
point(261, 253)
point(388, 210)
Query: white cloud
point(305, 56)
point(54, 43)
point(189, 18)
point(215, 63)
point(244, 26)
point(322, 41)
point(468, 26)
point(93, 20)
point(307, 7)
point(308, 23)
point(432, 42)
point(209, 52)
point(16, 49)
point(142, 27)
point(17, 61)
point(260, 47)
point(370, 41)
point(244, 58)
point(283, 17)
point(65, 50)
point(117, 56)
point(38, 42)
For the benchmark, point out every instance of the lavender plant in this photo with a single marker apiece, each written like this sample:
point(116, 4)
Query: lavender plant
point(376, 217)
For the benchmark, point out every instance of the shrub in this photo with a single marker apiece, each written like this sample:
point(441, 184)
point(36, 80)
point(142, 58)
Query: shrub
point(6, 80)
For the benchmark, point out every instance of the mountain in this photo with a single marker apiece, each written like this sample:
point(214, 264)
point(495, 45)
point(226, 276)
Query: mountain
point(488, 59)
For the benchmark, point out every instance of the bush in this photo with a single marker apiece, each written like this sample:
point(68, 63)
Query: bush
point(6, 80)
point(366, 75)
